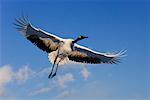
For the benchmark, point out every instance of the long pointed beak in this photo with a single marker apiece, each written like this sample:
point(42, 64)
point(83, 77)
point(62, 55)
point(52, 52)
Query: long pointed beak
point(85, 37)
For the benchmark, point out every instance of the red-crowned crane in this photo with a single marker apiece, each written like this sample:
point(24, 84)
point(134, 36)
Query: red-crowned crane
point(61, 50)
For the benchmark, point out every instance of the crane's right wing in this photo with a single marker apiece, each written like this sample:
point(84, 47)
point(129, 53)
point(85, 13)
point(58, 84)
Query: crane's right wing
point(85, 55)
point(43, 40)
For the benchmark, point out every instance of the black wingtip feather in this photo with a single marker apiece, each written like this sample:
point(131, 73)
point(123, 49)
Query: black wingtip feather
point(21, 23)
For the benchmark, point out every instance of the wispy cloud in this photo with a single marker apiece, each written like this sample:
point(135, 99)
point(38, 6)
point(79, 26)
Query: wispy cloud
point(62, 95)
point(23, 74)
point(85, 73)
point(60, 83)
point(62, 80)
point(42, 72)
point(85, 92)
point(40, 91)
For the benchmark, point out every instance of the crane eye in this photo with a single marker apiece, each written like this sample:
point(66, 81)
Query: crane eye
point(80, 36)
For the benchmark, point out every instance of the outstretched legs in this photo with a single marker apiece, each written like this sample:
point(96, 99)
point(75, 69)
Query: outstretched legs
point(56, 68)
point(53, 67)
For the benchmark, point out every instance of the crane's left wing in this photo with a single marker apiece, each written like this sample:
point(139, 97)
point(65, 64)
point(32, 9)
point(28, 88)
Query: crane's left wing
point(43, 40)
point(85, 55)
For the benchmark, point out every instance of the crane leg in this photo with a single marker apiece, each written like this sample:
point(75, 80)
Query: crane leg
point(53, 67)
point(56, 68)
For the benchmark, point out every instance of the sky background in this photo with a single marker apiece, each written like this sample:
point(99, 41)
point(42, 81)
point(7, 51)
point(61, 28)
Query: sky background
point(110, 25)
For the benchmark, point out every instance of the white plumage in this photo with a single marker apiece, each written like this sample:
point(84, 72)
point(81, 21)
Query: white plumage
point(61, 51)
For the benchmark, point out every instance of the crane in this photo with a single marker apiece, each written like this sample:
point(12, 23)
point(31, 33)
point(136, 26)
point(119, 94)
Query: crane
point(60, 50)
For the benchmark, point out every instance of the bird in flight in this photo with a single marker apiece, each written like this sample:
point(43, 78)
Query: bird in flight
point(61, 51)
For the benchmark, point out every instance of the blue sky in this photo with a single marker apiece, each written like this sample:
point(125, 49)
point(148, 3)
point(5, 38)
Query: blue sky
point(110, 25)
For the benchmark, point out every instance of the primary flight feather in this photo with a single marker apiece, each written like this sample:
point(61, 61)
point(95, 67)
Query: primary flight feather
point(61, 50)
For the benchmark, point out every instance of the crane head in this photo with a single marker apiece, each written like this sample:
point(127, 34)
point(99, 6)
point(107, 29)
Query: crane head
point(79, 38)
point(82, 37)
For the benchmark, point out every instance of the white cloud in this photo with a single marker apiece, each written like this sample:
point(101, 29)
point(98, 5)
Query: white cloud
point(62, 95)
point(59, 83)
point(85, 73)
point(39, 91)
point(42, 72)
point(5, 75)
point(62, 80)
point(23, 74)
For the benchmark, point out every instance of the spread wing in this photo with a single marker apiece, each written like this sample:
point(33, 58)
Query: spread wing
point(43, 40)
point(85, 55)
